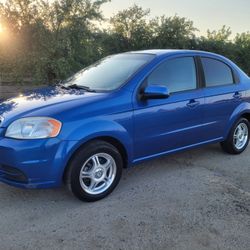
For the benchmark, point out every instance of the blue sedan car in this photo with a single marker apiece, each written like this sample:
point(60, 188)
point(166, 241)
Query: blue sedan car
point(120, 111)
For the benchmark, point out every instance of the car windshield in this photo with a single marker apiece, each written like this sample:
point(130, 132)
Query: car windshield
point(109, 73)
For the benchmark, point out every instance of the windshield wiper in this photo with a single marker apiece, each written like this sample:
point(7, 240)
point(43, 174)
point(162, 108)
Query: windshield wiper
point(76, 86)
point(61, 84)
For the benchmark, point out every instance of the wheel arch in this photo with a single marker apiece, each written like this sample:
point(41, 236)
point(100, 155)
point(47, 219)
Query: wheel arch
point(246, 115)
point(109, 139)
point(242, 110)
point(117, 144)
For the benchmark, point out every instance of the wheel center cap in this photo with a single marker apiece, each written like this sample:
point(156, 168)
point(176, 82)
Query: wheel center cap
point(99, 173)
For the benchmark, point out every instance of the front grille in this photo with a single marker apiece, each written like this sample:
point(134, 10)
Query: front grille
point(12, 174)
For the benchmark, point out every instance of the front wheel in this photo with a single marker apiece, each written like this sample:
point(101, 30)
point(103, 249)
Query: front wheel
point(94, 171)
point(238, 137)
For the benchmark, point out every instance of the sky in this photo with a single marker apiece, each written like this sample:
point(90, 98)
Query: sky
point(206, 14)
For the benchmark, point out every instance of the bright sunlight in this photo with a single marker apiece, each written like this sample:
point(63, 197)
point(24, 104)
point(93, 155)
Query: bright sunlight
point(4, 34)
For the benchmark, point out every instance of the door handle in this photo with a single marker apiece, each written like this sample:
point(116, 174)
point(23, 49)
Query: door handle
point(237, 95)
point(193, 103)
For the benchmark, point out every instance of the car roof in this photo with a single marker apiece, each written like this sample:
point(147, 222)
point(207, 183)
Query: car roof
point(170, 52)
point(159, 52)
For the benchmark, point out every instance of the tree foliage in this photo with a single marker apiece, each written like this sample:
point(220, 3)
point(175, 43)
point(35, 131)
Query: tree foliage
point(52, 40)
point(133, 28)
point(45, 40)
point(242, 51)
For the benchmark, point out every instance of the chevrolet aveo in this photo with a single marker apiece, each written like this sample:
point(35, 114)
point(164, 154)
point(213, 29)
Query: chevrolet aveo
point(120, 111)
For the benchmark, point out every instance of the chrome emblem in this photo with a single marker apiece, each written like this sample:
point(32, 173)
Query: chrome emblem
point(1, 120)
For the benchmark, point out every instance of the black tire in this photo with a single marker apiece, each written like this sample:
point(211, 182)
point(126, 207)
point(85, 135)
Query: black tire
point(229, 144)
point(83, 155)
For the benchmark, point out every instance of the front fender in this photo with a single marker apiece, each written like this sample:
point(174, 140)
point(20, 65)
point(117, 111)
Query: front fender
point(92, 129)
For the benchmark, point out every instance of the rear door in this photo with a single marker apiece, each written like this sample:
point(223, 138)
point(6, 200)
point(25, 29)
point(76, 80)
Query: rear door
point(222, 95)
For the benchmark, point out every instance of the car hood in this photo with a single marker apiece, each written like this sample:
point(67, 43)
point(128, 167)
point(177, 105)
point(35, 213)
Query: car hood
point(50, 99)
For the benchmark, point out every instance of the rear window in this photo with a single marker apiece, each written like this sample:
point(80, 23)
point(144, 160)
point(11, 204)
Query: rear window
point(216, 72)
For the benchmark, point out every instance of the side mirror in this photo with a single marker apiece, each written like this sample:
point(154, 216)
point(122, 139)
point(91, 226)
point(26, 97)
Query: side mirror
point(155, 92)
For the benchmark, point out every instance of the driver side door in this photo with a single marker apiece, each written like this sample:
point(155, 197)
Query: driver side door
point(170, 124)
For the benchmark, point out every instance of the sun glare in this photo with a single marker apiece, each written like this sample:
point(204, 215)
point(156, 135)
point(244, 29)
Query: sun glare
point(4, 34)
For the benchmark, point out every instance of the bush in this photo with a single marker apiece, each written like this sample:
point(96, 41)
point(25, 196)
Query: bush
point(48, 41)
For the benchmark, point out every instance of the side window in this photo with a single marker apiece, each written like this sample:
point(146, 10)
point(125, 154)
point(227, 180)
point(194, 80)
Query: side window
point(216, 72)
point(177, 74)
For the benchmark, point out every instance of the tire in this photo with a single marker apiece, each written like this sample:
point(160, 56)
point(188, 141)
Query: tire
point(238, 133)
point(100, 165)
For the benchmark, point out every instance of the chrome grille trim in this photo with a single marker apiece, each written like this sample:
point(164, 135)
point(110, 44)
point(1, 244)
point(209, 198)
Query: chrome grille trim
point(1, 120)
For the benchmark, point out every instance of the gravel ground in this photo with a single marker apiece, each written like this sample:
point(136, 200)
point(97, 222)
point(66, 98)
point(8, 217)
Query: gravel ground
point(199, 199)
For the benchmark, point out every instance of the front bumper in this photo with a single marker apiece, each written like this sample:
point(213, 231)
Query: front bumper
point(34, 163)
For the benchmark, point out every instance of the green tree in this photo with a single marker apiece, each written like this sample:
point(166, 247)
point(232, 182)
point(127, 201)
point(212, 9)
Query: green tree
point(49, 40)
point(173, 32)
point(54, 39)
point(242, 44)
point(218, 42)
point(131, 28)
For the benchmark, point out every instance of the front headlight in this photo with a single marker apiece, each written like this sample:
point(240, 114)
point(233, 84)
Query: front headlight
point(34, 128)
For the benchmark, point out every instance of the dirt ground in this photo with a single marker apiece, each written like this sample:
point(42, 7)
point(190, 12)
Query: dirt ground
point(199, 199)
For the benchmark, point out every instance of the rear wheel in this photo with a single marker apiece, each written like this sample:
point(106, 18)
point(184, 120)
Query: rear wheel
point(238, 137)
point(94, 171)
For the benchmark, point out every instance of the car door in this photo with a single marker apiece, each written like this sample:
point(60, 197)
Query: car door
point(222, 96)
point(165, 125)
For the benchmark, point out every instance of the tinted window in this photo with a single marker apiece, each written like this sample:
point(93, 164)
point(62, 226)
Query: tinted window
point(111, 72)
point(177, 74)
point(216, 72)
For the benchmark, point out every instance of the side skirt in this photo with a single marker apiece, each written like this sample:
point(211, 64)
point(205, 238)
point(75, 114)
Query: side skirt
point(141, 159)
